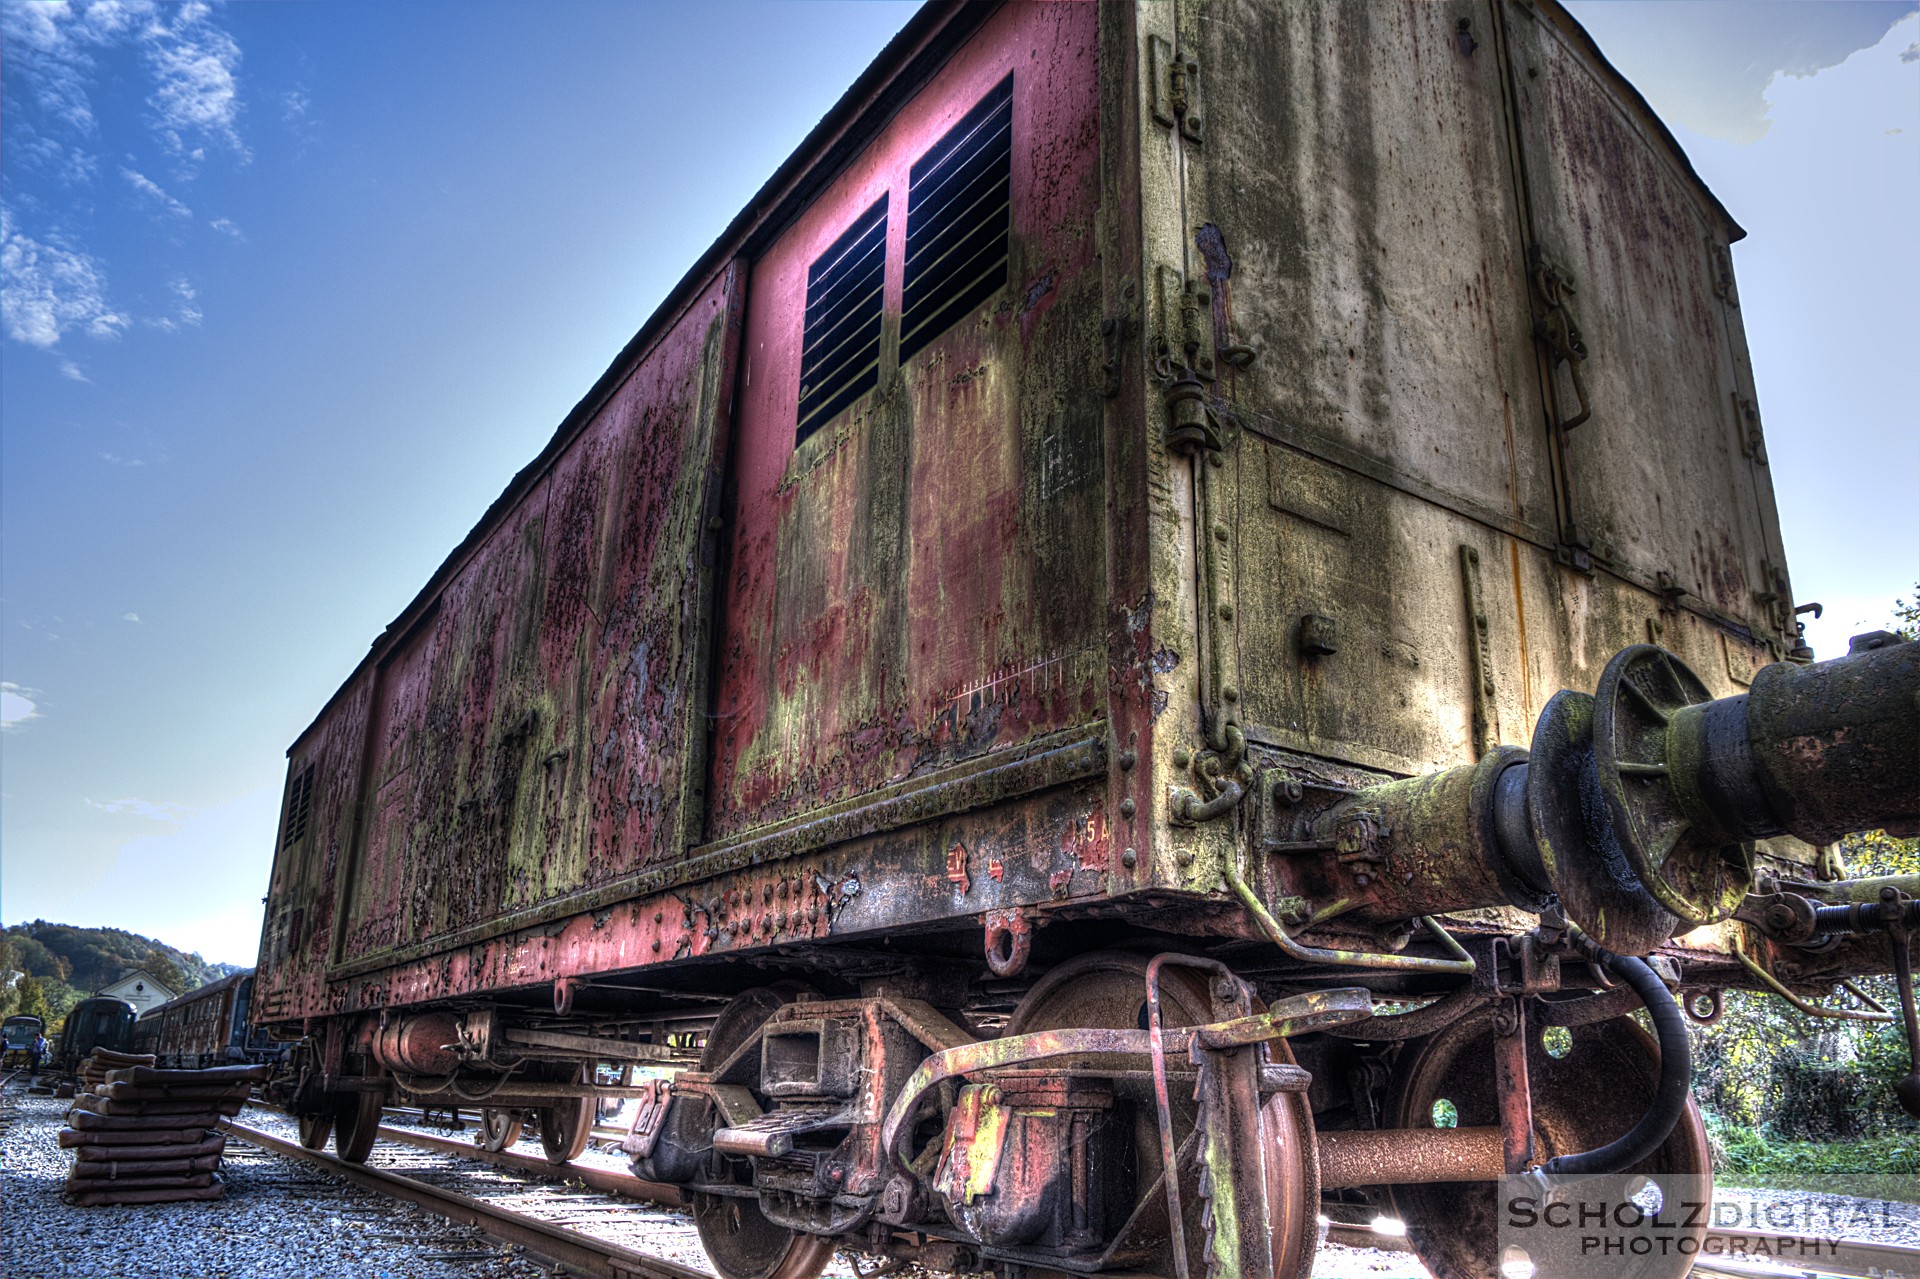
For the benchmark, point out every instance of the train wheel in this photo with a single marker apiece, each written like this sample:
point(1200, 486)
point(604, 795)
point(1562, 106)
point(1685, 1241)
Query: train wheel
point(356, 1122)
point(1108, 989)
point(499, 1128)
point(314, 1130)
point(566, 1126)
point(1588, 1091)
point(740, 1241)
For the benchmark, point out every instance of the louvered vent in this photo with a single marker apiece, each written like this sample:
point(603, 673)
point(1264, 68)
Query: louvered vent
point(299, 802)
point(840, 345)
point(957, 217)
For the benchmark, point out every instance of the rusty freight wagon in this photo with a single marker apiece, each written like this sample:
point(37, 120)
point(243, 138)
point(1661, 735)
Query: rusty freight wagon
point(1165, 533)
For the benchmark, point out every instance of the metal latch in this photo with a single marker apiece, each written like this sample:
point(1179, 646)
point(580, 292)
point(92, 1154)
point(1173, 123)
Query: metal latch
point(1176, 87)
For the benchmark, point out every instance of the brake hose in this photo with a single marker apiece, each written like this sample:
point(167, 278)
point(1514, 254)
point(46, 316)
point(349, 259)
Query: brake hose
point(1669, 1095)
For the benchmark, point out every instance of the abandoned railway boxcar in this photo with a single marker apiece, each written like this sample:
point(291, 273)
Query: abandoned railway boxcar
point(1087, 549)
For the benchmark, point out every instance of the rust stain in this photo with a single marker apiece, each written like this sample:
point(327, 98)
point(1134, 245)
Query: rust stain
point(1520, 618)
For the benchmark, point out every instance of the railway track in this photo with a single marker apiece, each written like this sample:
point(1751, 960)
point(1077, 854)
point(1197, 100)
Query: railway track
point(534, 1214)
point(529, 1209)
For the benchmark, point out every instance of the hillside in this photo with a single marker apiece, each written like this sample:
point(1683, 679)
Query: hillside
point(61, 964)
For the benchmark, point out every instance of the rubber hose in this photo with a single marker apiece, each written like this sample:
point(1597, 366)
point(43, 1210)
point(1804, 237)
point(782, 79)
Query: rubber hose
point(1669, 1095)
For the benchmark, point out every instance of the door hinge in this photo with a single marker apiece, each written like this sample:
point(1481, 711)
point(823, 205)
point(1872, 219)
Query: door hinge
point(1558, 331)
point(1183, 325)
point(1175, 77)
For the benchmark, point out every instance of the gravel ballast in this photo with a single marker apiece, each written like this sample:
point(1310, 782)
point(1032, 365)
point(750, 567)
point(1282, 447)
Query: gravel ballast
point(278, 1220)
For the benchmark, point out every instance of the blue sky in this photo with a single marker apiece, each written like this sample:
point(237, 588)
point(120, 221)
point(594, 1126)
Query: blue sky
point(291, 289)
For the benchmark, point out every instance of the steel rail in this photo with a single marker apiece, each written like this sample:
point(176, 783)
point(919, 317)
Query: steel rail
point(580, 1252)
point(623, 1184)
point(602, 1179)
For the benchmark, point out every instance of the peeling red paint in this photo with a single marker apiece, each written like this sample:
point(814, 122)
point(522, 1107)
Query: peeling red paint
point(957, 867)
point(888, 608)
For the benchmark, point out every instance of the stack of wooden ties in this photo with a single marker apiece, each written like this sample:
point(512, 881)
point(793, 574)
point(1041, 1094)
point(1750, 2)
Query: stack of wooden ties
point(142, 1135)
point(93, 1071)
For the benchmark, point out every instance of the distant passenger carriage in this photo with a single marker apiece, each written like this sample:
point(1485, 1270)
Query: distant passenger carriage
point(206, 1027)
point(100, 1022)
point(17, 1035)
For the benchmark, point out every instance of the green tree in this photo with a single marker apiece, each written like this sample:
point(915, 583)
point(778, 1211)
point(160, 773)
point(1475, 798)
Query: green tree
point(34, 1001)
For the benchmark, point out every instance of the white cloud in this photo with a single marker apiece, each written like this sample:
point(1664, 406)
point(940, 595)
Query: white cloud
point(193, 63)
point(46, 48)
point(16, 706)
point(71, 371)
point(225, 226)
point(115, 459)
point(33, 149)
point(160, 812)
point(1714, 65)
point(129, 617)
point(48, 289)
point(147, 187)
point(186, 311)
point(196, 93)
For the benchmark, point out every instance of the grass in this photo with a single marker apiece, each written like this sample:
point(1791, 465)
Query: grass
point(1746, 1156)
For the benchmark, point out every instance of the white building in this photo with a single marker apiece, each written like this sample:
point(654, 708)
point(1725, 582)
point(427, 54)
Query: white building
point(141, 989)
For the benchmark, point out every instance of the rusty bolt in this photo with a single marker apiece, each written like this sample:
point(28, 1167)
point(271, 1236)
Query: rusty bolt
point(1220, 531)
point(1128, 858)
point(1127, 761)
point(766, 893)
point(657, 916)
point(1226, 612)
point(1182, 757)
point(1231, 693)
point(1362, 879)
point(780, 920)
point(781, 890)
point(1126, 808)
point(1183, 856)
point(656, 945)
